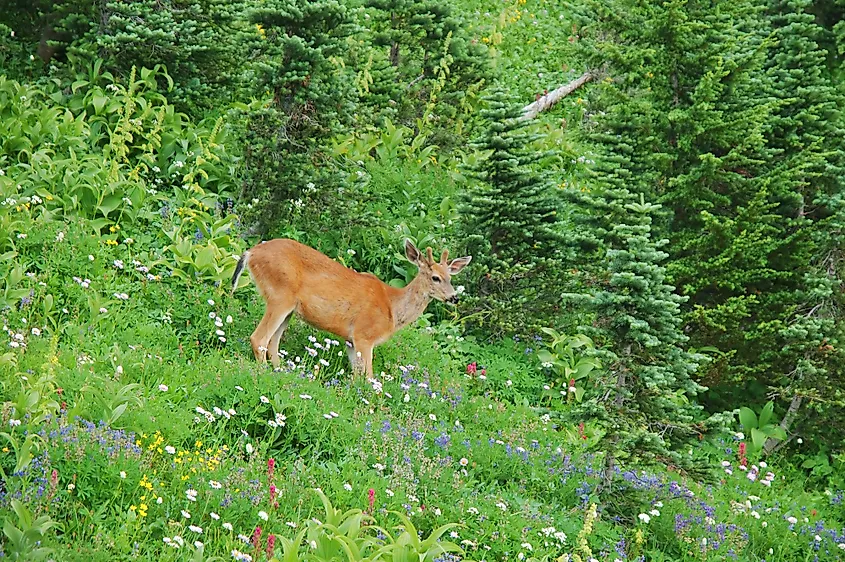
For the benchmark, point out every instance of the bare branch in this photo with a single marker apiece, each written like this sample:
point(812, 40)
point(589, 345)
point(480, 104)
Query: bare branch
point(545, 102)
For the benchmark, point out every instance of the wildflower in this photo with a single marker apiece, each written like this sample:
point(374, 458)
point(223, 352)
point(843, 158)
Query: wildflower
point(122, 474)
point(263, 515)
point(210, 302)
point(249, 448)
point(347, 486)
point(118, 264)
point(229, 319)
point(644, 517)
point(463, 461)
point(215, 484)
point(198, 544)
point(280, 420)
point(389, 492)
point(271, 545)
point(36, 332)
point(191, 495)
point(170, 449)
point(240, 556)
point(264, 399)
point(327, 416)
point(432, 417)
point(305, 396)
point(509, 383)
point(792, 520)
point(654, 513)
point(162, 387)
point(256, 538)
point(227, 526)
point(195, 529)
point(185, 514)
point(214, 516)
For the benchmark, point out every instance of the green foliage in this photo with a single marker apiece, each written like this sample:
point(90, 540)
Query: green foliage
point(568, 364)
point(730, 137)
point(761, 428)
point(636, 316)
point(433, 67)
point(509, 226)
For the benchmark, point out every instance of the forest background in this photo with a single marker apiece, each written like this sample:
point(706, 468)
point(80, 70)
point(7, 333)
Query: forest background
point(646, 362)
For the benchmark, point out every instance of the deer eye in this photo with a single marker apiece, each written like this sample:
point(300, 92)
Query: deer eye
point(436, 279)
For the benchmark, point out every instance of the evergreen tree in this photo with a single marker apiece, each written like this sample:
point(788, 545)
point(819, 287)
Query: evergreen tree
point(196, 40)
point(438, 65)
point(298, 61)
point(510, 225)
point(744, 152)
point(807, 136)
point(649, 410)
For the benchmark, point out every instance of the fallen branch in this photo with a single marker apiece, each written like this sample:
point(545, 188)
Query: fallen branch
point(545, 102)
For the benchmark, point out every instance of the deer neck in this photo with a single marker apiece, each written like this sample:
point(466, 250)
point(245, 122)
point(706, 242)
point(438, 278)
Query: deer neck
point(410, 302)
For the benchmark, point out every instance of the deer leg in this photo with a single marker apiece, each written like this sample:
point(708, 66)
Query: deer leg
point(274, 316)
point(365, 360)
point(273, 348)
point(354, 360)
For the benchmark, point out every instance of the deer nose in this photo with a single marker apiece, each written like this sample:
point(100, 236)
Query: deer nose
point(453, 299)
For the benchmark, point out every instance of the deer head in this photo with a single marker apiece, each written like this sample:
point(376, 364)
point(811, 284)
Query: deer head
point(435, 278)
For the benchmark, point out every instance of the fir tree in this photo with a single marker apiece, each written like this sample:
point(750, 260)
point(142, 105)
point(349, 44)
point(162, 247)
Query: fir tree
point(807, 137)
point(437, 63)
point(298, 60)
point(649, 409)
point(510, 224)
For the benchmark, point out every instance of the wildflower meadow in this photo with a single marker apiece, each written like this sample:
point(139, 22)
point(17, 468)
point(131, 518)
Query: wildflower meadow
point(643, 363)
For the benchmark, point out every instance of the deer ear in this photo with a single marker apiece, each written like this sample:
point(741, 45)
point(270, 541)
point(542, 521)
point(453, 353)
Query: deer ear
point(411, 252)
point(457, 264)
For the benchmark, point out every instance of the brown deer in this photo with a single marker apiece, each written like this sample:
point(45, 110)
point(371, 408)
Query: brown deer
point(359, 307)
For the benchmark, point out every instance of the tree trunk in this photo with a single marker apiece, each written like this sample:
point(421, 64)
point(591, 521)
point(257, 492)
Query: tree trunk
point(545, 102)
point(787, 420)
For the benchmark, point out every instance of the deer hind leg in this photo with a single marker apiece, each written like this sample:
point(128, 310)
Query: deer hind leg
point(355, 359)
point(363, 354)
point(274, 317)
point(273, 347)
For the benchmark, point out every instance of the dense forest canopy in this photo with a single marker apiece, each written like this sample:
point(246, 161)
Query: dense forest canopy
point(653, 195)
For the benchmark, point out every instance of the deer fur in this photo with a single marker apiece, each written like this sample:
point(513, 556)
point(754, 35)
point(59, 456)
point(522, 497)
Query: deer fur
point(294, 278)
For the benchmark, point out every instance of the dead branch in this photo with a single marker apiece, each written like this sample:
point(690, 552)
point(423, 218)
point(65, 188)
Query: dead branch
point(545, 102)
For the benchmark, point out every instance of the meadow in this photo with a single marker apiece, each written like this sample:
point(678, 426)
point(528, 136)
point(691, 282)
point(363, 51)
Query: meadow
point(136, 424)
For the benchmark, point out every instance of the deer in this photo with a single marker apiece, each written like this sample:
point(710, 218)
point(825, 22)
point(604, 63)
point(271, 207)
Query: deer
point(293, 278)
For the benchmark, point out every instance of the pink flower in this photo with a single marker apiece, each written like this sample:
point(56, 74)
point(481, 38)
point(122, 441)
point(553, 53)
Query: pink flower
point(256, 538)
point(271, 545)
point(471, 368)
point(273, 495)
point(271, 465)
point(371, 496)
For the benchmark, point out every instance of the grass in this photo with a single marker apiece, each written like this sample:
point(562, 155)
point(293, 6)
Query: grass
point(150, 437)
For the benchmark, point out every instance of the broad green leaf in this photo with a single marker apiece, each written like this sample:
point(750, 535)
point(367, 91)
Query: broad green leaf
point(747, 418)
point(758, 438)
point(545, 357)
point(766, 414)
point(204, 259)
